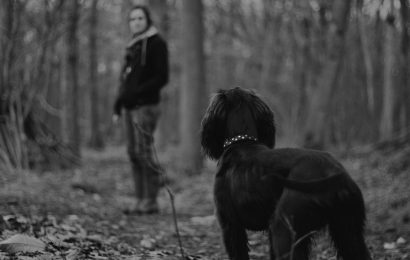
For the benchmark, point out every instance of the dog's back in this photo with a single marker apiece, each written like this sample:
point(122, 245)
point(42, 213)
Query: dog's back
point(256, 176)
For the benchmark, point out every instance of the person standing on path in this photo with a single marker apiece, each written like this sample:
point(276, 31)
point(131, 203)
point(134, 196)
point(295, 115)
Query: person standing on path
point(144, 74)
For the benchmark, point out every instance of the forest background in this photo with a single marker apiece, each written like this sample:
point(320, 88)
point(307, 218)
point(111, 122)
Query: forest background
point(335, 72)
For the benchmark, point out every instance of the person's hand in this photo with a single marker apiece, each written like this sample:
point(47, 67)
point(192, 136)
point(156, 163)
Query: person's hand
point(115, 118)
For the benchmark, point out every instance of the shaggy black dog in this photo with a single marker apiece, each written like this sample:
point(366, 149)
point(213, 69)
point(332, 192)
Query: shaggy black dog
point(291, 193)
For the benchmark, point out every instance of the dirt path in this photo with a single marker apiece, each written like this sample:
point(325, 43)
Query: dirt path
point(78, 215)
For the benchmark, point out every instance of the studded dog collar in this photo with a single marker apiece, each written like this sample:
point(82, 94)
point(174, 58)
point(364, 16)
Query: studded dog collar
point(237, 138)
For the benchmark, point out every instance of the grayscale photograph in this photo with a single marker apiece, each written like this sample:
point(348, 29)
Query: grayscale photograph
point(205, 129)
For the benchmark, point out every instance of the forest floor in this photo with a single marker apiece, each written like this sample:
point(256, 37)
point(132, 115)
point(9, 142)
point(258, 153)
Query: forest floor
point(77, 214)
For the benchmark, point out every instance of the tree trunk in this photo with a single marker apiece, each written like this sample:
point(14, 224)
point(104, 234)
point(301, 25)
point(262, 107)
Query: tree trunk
point(268, 47)
point(73, 76)
point(160, 15)
point(13, 145)
point(229, 53)
point(387, 119)
point(364, 44)
point(96, 139)
point(404, 62)
point(304, 71)
point(321, 100)
point(54, 97)
point(193, 83)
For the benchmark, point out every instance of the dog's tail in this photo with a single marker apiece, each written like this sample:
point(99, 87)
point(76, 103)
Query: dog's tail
point(325, 184)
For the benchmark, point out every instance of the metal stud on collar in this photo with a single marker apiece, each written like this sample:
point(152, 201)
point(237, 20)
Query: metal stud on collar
point(236, 138)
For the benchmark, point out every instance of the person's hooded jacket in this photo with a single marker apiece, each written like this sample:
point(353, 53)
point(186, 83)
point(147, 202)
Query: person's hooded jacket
point(144, 73)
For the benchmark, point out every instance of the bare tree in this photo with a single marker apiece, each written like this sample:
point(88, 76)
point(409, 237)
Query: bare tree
point(318, 116)
point(304, 72)
point(389, 97)
point(13, 149)
point(193, 83)
point(404, 61)
point(75, 134)
point(161, 16)
point(96, 140)
point(364, 44)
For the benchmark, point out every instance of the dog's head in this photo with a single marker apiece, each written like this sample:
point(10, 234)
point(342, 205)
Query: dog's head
point(236, 112)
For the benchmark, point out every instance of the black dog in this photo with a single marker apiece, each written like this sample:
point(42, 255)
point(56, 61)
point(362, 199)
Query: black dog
point(291, 193)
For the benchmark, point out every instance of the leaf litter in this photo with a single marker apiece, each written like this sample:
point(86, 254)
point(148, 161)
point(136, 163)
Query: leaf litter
point(55, 219)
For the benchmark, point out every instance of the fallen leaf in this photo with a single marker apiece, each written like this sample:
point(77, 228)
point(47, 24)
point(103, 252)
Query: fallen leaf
point(22, 243)
point(257, 254)
point(95, 238)
point(72, 254)
point(254, 242)
point(206, 221)
point(401, 240)
point(94, 255)
point(389, 246)
point(73, 218)
point(67, 227)
point(148, 243)
point(132, 257)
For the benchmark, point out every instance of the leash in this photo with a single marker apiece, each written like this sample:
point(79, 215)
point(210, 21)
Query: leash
point(158, 168)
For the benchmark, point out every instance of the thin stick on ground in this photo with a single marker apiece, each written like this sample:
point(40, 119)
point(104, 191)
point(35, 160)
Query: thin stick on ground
point(162, 172)
point(174, 214)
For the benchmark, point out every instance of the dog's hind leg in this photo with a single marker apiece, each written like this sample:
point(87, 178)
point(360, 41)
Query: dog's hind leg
point(348, 240)
point(285, 243)
point(293, 225)
point(346, 229)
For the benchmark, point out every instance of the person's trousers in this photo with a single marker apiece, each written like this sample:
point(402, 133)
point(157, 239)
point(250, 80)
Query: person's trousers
point(140, 127)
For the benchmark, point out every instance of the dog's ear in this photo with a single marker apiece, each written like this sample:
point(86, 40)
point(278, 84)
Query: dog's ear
point(265, 121)
point(213, 125)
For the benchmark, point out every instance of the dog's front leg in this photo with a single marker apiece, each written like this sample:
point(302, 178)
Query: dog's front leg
point(234, 234)
point(235, 240)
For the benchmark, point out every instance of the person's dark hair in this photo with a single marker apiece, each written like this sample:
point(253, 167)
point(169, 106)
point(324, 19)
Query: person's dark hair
point(146, 11)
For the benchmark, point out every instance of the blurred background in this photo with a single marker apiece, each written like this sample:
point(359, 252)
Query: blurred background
point(335, 72)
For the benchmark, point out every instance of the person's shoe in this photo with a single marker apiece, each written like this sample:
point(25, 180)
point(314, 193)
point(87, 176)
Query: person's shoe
point(134, 209)
point(149, 206)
